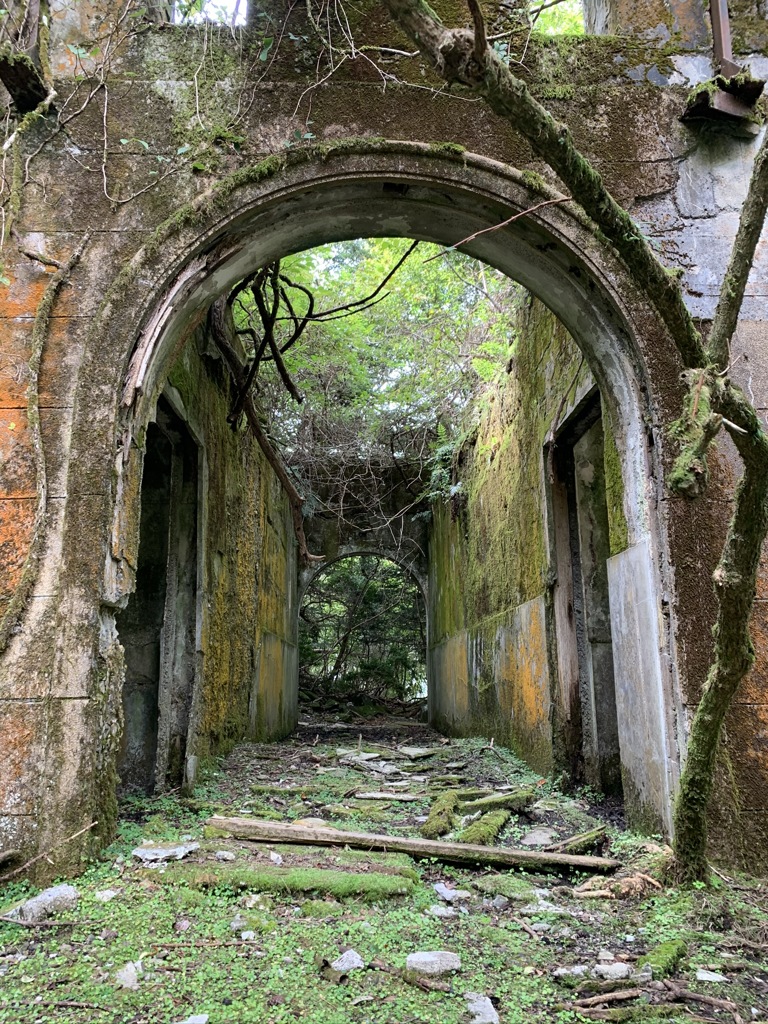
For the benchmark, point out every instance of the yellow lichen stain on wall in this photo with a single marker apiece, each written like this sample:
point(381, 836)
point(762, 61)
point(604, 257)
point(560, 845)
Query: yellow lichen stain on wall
point(523, 683)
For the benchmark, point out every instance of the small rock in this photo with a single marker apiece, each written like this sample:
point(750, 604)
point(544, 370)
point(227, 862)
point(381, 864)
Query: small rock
point(196, 1018)
point(128, 976)
point(481, 1008)
point(437, 961)
point(571, 972)
point(612, 972)
point(182, 924)
point(50, 901)
point(157, 853)
point(702, 975)
point(225, 855)
point(644, 974)
point(105, 895)
point(605, 956)
point(500, 902)
point(276, 858)
point(248, 936)
point(438, 910)
point(541, 926)
point(349, 961)
point(538, 837)
point(237, 922)
point(450, 895)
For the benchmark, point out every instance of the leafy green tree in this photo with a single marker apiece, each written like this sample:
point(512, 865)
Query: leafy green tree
point(362, 634)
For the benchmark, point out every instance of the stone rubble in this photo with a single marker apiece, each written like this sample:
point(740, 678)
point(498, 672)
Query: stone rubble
point(157, 853)
point(435, 962)
point(50, 901)
point(348, 961)
point(481, 1008)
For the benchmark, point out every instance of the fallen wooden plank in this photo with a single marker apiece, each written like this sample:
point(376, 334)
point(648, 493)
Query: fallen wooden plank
point(401, 797)
point(460, 853)
point(580, 843)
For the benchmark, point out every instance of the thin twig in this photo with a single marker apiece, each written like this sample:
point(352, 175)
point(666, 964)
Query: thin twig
point(41, 856)
point(526, 928)
point(497, 227)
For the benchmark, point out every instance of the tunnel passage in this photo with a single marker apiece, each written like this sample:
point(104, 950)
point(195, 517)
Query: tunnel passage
point(158, 626)
point(363, 636)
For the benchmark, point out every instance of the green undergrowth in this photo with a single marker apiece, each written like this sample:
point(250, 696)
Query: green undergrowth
point(301, 906)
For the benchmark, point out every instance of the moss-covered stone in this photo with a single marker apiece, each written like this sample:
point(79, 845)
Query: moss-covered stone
point(485, 830)
point(666, 958)
point(441, 815)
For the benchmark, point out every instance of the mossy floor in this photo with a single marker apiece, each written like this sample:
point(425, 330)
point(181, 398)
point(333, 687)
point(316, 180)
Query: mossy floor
point(248, 941)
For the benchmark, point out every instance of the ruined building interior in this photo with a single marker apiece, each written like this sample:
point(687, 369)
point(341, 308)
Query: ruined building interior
point(150, 578)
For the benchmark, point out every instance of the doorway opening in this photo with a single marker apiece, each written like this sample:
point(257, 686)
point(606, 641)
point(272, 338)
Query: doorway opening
point(363, 639)
point(582, 609)
point(158, 627)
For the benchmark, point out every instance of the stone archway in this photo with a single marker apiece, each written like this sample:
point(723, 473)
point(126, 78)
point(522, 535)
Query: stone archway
point(280, 206)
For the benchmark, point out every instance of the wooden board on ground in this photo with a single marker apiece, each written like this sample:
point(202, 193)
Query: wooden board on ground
point(459, 853)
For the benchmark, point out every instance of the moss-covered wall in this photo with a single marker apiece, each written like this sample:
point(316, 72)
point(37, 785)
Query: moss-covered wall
point(247, 633)
point(491, 624)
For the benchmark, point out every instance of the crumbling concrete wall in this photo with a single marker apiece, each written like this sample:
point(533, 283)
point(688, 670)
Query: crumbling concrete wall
point(159, 207)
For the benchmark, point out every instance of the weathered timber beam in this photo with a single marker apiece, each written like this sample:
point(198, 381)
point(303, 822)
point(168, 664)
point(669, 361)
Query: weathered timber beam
point(459, 853)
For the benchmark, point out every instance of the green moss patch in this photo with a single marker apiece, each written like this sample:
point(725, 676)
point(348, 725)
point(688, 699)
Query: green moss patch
point(485, 829)
point(517, 802)
point(665, 958)
point(368, 887)
point(441, 813)
point(511, 885)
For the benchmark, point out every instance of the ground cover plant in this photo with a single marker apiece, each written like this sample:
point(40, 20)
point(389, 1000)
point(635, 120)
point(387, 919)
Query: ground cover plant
point(248, 933)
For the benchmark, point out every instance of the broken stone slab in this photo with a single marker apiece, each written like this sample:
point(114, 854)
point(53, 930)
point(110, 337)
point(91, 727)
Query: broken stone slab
point(348, 961)
point(481, 1008)
point(396, 797)
point(439, 910)
point(450, 895)
point(50, 901)
point(433, 962)
point(702, 975)
point(616, 971)
point(538, 837)
point(156, 853)
point(419, 753)
point(577, 971)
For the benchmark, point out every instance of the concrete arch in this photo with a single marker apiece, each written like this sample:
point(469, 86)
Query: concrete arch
point(352, 190)
point(407, 561)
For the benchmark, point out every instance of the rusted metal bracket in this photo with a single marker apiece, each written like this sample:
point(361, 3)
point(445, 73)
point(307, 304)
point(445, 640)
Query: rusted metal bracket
point(733, 93)
point(721, 34)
